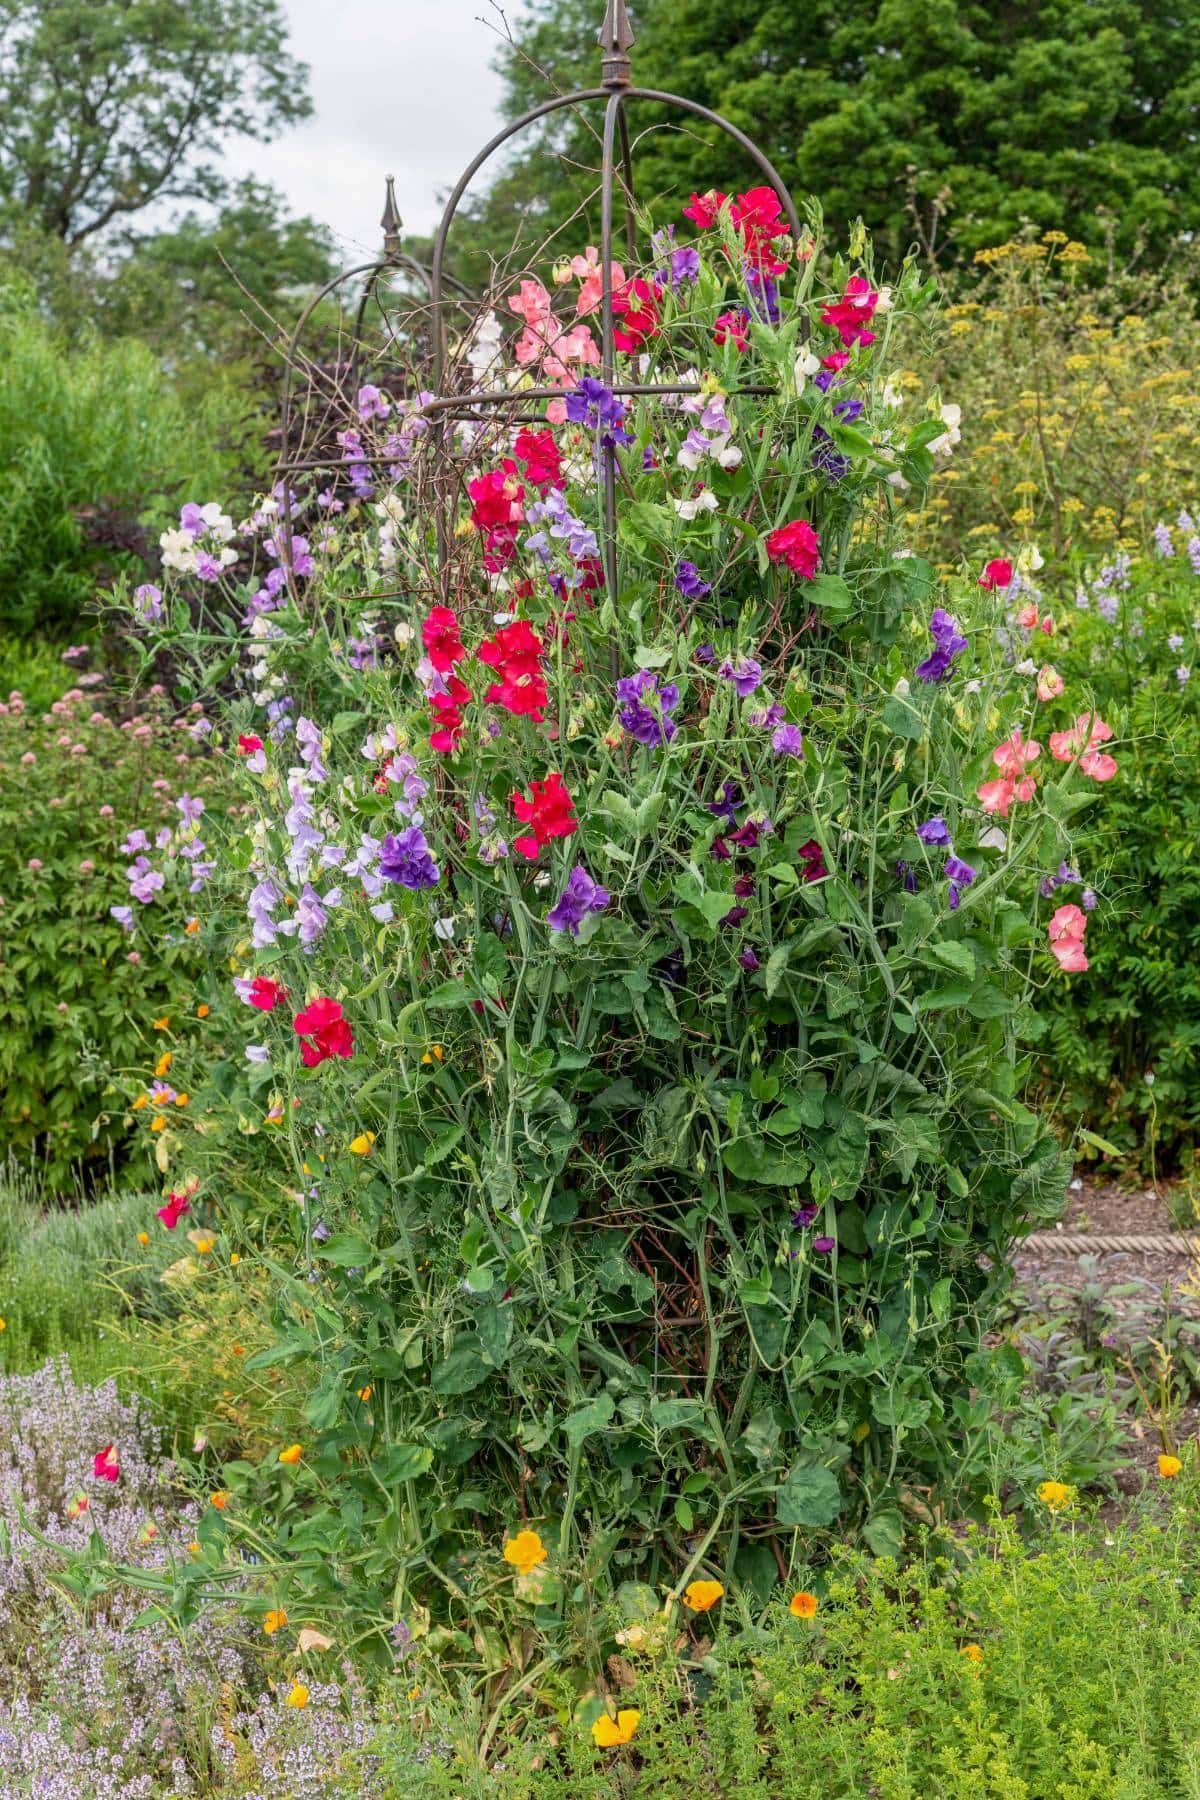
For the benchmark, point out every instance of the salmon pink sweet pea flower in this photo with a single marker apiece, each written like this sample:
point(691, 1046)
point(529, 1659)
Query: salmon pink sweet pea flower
point(1066, 930)
point(1082, 741)
point(1012, 756)
point(1050, 683)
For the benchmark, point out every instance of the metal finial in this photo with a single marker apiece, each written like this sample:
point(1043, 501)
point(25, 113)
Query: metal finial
point(391, 222)
point(616, 40)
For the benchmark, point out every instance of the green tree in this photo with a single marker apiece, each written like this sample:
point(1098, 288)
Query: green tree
point(109, 105)
point(1067, 112)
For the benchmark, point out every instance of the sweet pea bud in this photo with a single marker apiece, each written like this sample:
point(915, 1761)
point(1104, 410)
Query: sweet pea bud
point(562, 272)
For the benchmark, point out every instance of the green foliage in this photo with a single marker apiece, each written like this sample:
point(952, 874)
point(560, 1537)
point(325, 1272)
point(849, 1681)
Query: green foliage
point(78, 993)
point(998, 1672)
point(684, 1235)
point(1121, 1051)
point(905, 111)
point(87, 424)
point(110, 105)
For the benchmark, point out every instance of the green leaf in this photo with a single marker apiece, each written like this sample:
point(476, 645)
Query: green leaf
point(403, 1462)
point(959, 958)
point(495, 1325)
point(883, 1533)
point(346, 1249)
point(831, 595)
point(776, 964)
point(902, 718)
point(808, 1497)
point(586, 1420)
point(463, 1369)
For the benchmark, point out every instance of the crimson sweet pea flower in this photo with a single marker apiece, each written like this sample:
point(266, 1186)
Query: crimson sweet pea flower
point(246, 746)
point(997, 574)
point(106, 1464)
point(174, 1210)
point(541, 456)
point(324, 1022)
point(798, 546)
point(703, 209)
point(637, 308)
point(264, 994)
point(852, 314)
point(550, 811)
point(516, 654)
point(447, 715)
point(731, 327)
point(440, 636)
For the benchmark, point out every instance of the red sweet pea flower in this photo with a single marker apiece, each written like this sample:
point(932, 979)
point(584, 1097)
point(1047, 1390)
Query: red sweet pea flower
point(997, 574)
point(813, 859)
point(731, 327)
point(636, 305)
point(439, 634)
point(758, 216)
point(798, 546)
point(550, 811)
point(246, 746)
point(851, 315)
point(516, 654)
point(265, 995)
point(174, 1210)
point(324, 1022)
point(447, 716)
point(541, 456)
point(106, 1464)
point(702, 209)
point(496, 500)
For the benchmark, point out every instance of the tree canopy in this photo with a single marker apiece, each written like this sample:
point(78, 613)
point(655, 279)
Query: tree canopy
point(1077, 114)
point(109, 105)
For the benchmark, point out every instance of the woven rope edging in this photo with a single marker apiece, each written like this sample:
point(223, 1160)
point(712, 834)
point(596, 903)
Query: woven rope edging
point(1079, 1243)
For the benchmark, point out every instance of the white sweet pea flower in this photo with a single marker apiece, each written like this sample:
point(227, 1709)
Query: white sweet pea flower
point(993, 838)
point(729, 457)
point(892, 394)
point(705, 501)
point(884, 302)
point(902, 689)
point(178, 551)
point(1029, 559)
point(951, 417)
point(444, 929)
point(805, 366)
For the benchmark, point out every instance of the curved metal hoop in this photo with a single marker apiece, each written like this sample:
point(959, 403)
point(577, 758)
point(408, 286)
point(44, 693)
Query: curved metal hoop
point(616, 94)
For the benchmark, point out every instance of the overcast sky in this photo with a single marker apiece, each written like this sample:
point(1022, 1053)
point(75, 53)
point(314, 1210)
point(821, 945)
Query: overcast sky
point(400, 87)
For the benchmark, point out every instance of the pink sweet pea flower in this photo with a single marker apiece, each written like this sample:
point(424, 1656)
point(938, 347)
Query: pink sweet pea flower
point(1028, 617)
point(1013, 754)
point(1088, 731)
point(997, 574)
point(1050, 683)
point(106, 1464)
point(996, 796)
point(1066, 930)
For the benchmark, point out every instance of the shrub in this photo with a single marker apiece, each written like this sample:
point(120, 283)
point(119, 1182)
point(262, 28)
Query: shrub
point(86, 423)
point(82, 993)
point(1121, 1051)
point(626, 1097)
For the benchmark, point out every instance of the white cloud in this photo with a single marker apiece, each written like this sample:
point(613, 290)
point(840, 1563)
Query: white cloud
point(400, 87)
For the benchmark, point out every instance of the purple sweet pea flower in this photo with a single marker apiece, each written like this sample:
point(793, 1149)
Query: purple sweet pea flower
point(723, 808)
point(646, 706)
point(746, 675)
point(594, 405)
point(124, 917)
point(959, 874)
point(706, 654)
point(947, 645)
point(687, 580)
point(934, 831)
point(824, 1245)
point(580, 897)
point(147, 603)
point(804, 1215)
point(904, 873)
point(788, 740)
point(406, 858)
point(748, 961)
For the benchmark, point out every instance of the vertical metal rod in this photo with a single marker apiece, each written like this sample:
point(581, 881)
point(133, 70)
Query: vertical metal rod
point(627, 182)
point(608, 452)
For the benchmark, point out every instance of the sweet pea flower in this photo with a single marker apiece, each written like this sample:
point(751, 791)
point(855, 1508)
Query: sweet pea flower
point(1050, 683)
point(1080, 742)
point(997, 574)
point(1066, 930)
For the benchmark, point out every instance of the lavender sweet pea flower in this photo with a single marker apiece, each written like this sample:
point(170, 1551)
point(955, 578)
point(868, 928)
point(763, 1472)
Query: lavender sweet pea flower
point(687, 580)
point(124, 917)
point(144, 881)
point(147, 603)
point(189, 809)
point(406, 858)
point(308, 740)
point(646, 706)
point(746, 675)
point(905, 874)
point(594, 405)
point(947, 646)
point(258, 1053)
point(580, 897)
point(934, 831)
point(788, 740)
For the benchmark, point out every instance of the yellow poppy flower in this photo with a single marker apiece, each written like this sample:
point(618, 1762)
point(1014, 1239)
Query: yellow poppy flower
point(803, 1605)
point(291, 1455)
point(1169, 1467)
point(142, 1100)
point(608, 1732)
point(364, 1394)
point(525, 1551)
point(435, 1053)
point(361, 1145)
point(161, 1024)
point(701, 1596)
point(164, 1062)
point(203, 1011)
point(191, 928)
point(1055, 1495)
point(274, 1621)
point(143, 1237)
point(298, 1696)
point(3, 1324)
point(181, 1099)
point(159, 1124)
point(234, 1260)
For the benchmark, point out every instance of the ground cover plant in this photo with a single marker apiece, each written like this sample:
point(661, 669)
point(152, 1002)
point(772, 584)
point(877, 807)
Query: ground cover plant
point(632, 983)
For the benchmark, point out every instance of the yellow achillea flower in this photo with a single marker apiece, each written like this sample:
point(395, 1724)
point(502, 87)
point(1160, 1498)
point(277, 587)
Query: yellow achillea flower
point(525, 1551)
point(803, 1605)
point(298, 1696)
point(274, 1621)
point(1055, 1496)
point(164, 1062)
point(701, 1596)
point(291, 1455)
point(608, 1732)
point(972, 1652)
point(361, 1145)
point(1169, 1467)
